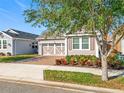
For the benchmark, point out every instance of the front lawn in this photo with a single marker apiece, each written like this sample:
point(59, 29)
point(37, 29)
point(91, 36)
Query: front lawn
point(83, 78)
point(8, 59)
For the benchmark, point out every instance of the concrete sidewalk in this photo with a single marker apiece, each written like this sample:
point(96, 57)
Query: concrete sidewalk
point(34, 74)
point(21, 71)
point(27, 71)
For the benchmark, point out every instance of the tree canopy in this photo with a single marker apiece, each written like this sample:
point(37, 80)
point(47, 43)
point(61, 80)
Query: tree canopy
point(101, 17)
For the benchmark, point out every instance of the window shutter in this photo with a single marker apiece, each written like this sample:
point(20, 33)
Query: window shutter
point(70, 43)
point(92, 43)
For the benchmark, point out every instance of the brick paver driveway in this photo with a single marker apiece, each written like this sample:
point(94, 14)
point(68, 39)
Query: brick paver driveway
point(44, 60)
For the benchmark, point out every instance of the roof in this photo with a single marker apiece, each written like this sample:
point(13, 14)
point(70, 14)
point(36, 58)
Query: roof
point(81, 31)
point(50, 35)
point(20, 34)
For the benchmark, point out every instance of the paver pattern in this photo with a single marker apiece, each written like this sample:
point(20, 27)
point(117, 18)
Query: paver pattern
point(44, 60)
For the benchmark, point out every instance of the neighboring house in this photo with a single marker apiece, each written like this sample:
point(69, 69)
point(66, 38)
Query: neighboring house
point(78, 43)
point(17, 42)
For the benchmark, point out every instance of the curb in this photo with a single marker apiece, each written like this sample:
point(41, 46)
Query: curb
point(65, 86)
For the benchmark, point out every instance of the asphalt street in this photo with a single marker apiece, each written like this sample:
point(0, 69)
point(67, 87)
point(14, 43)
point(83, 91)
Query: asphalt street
point(25, 87)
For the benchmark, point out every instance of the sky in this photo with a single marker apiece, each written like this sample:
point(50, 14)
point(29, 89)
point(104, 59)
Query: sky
point(11, 16)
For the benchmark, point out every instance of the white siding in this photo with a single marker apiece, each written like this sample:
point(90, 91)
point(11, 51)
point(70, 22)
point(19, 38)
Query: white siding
point(23, 46)
point(9, 44)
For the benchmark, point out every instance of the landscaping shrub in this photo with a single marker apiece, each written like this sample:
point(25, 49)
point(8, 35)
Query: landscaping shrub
point(58, 61)
point(68, 59)
point(2, 54)
point(63, 61)
point(114, 62)
point(73, 60)
point(91, 61)
point(8, 54)
point(82, 60)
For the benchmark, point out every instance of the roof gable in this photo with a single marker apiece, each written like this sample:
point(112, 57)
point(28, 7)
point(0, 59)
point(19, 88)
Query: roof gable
point(20, 34)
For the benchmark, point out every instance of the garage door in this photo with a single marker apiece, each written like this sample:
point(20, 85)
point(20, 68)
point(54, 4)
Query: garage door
point(53, 49)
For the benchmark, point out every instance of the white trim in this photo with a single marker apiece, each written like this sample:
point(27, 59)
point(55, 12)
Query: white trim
point(16, 38)
point(15, 47)
point(54, 48)
point(79, 35)
point(23, 39)
point(7, 35)
point(66, 46)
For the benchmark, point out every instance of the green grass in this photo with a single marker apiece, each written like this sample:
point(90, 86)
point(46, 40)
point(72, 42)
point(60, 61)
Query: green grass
point(83, 79)
point(8, 59)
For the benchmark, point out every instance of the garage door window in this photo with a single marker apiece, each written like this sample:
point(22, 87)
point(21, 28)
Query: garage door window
point(51, 44)
point(58, 44)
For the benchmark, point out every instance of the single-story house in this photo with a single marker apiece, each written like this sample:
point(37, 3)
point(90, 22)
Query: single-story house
point(17, 42)
point(78, 43)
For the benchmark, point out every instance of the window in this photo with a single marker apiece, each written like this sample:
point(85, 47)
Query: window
point(0, 44)
point(76, 43)
point(85, 42)
point(34, 45)
point(4, 44)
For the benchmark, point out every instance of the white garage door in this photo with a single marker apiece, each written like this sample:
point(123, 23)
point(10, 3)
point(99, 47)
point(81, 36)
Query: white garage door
point(53, 49)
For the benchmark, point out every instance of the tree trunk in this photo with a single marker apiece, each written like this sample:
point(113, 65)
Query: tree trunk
point(104, 68)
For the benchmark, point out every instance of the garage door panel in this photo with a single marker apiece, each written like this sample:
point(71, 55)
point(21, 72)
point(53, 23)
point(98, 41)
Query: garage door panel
point(58, 50)
point(53, 49)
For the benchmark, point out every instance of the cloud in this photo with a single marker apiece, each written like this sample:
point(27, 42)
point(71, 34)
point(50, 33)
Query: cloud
point(5, 13)
point(22, 5)
point(4, 10)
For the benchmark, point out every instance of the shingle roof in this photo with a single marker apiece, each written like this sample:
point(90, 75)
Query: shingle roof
point(20, 34)
point(49, 35)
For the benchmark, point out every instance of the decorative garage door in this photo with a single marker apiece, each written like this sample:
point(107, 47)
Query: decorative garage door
point(53, 49)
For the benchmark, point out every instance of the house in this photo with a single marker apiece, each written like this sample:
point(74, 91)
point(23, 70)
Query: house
point(15, 42)
point(78, 43)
